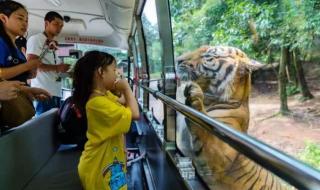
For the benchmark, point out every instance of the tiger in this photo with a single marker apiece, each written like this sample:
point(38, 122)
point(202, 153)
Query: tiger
point(216, 80)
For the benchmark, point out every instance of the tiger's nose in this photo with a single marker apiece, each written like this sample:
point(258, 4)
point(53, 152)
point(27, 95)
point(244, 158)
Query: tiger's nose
point(191, 65)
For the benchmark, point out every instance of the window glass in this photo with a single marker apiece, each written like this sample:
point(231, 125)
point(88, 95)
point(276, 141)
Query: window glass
point(153, 46)
point(272, 33)
point(120, 55)
point(70, 53)
point(138, 68)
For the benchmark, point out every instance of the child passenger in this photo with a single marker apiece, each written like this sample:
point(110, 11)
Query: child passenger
point(103, 162)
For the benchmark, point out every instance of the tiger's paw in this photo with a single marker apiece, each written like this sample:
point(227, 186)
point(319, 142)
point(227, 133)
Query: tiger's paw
point(194, 96)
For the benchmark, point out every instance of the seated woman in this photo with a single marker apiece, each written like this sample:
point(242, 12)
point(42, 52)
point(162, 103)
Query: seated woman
point(14, 65)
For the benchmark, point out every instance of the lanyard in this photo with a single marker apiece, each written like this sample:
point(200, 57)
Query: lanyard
point(47, 49)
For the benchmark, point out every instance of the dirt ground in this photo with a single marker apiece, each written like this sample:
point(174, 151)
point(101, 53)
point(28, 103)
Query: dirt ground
point(286, 133)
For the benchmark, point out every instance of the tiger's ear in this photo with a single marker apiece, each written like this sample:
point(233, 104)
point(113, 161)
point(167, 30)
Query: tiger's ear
point(254, 65)
point(204, 48)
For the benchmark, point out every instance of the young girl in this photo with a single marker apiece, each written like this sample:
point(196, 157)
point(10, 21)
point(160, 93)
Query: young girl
point(13, 23)
point(103, 162)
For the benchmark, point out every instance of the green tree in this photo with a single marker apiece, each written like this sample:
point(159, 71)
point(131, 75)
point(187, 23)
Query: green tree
point(264, 29)
point(284, 110)
point(152, 40)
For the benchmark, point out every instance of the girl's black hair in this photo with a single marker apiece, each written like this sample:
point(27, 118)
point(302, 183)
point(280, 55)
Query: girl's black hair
point(7, 8)
point(84, 73)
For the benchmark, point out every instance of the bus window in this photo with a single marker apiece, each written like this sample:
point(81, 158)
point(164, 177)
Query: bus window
point(117, 53)
point(67, 81)
point(66, 54)
point(70, 53)
point(138, 68)
point(154, 49)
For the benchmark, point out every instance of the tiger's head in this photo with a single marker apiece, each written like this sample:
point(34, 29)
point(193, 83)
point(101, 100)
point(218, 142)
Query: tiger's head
point(217, 69)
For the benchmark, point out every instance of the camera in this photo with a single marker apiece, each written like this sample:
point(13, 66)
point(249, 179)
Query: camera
point(66, 18)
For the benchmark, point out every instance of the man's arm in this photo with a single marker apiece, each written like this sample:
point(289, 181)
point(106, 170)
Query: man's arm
point(35, 47)
point(48, 67)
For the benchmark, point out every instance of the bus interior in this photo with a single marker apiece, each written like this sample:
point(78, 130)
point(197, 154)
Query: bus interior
point(33, 158)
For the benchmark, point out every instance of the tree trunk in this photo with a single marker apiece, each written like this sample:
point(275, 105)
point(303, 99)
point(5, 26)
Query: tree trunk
point(270, 60)
point(284, 110)
point(306, 94)
point(291, 69)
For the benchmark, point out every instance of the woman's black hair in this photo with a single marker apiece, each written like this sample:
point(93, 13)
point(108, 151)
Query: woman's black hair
point(21, 42)
point(7, 8)
point(84, 73)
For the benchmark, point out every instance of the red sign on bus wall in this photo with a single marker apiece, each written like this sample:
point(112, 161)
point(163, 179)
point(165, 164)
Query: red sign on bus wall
point(83, 39)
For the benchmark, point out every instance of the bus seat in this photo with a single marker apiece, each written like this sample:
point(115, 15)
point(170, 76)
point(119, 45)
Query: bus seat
point(30, 160)
point(60, 173)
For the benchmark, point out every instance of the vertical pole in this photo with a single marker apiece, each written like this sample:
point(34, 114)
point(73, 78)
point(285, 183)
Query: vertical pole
point(144, 73)
point(168, 69)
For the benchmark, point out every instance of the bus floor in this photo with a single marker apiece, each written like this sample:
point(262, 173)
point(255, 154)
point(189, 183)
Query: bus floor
point(135, 177)
point(158, 170)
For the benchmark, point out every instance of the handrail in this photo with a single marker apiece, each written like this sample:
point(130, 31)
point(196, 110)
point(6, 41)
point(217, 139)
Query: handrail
point(286, 167)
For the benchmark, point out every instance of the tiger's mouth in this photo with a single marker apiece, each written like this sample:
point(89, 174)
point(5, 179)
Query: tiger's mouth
point(185, 73)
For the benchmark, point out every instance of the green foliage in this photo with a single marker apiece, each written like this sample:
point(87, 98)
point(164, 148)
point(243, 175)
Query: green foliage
point(180, 7)
point(292, 89)
point(311, 154)
point(193, 27)
point(234, 29)
point(153, 45)
point(290, 23)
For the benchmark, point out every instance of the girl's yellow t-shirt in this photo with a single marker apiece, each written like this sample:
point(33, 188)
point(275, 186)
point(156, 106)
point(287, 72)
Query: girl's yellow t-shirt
point(103, 162)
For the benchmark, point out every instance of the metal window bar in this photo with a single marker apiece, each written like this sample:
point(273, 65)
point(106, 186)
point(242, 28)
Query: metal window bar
point(286, 167)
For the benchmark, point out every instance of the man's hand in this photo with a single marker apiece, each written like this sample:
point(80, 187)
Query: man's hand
point(62, 68)
point(9, 89)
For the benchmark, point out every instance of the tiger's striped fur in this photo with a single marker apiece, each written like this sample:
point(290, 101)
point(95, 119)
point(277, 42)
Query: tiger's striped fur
point(216, 81)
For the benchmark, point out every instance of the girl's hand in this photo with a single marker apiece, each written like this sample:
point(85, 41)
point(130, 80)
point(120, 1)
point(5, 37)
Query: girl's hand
point(9, 89)
point(122, 99)
point(121, 85)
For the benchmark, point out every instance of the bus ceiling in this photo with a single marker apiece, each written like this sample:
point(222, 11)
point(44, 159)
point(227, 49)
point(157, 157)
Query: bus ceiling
point(99, 22)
